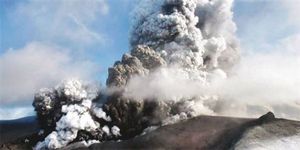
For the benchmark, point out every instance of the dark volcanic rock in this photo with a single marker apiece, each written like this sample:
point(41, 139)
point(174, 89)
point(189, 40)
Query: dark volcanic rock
point(271, 134)
point(19, 134)
point(203, 132)
point(11, 130)
point(206, 133)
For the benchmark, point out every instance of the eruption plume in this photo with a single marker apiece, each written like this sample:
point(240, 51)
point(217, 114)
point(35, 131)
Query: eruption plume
point(174, 43)
point(179, 39)
point(180, 65)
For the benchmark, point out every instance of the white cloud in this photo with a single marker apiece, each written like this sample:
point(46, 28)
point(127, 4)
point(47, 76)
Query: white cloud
point(63, 21)
point(293, 7)
point(290, 44)
point(25, 70)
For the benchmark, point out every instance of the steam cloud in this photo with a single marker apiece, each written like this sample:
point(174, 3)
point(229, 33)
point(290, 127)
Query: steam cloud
point(67, 113)
point(184, 62)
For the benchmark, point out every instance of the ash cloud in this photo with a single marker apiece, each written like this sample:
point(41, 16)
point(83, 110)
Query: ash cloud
point(175, 37)
point(258, 83)
point(187, 30)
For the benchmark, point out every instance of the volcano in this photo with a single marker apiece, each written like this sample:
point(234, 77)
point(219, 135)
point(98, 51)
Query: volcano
point(165, 93)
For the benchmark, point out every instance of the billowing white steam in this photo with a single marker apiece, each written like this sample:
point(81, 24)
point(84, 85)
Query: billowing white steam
point(260, 84)
point(78, 112)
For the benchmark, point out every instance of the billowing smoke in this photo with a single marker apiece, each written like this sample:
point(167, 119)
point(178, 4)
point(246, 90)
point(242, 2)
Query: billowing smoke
point(184, 62)
point(187, 33)
point(178, 47)
point(260, 83)
point(66, 114)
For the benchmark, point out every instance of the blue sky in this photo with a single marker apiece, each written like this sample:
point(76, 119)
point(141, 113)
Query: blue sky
point(114, 27)
point(86, 38)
